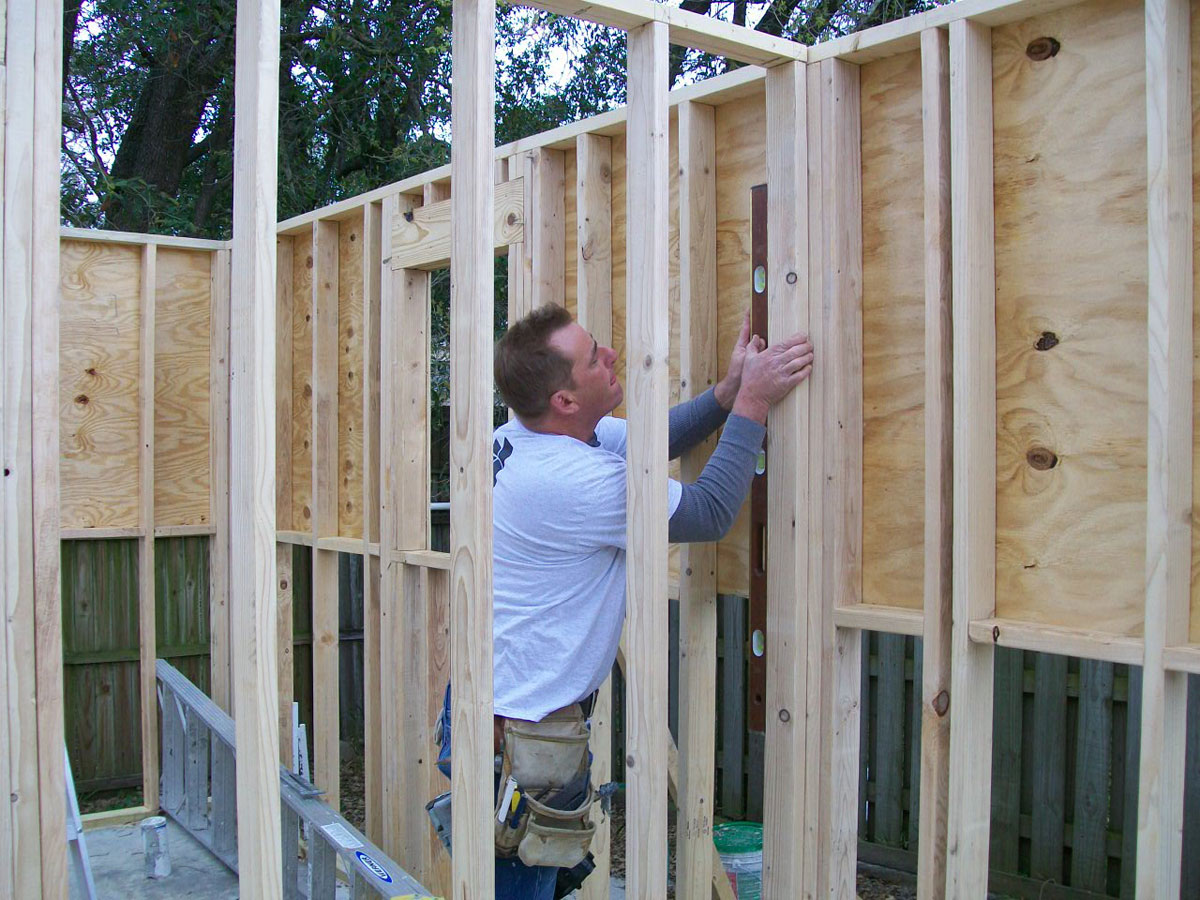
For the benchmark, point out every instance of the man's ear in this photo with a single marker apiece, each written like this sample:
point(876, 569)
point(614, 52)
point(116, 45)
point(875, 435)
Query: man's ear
point(563, 403)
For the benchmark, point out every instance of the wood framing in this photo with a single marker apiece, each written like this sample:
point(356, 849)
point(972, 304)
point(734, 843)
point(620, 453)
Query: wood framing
point(974, 579)
point(33, 828)
point(219, 620)
point(698, 562)
point(841, 648)
point(146, 626)
point(471, 327)
point(788, 834)
point(252, 584)
point(373, 681)
point(593, 205)
point(1169, 448)
point(973, 465)
point(646, 458)
point(685, 28)
point(939, 461)
point(284, 310)
point(325, 599)
point(536, 263)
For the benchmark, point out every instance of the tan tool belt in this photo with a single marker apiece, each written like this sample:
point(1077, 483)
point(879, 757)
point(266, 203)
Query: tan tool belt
point(545, 792)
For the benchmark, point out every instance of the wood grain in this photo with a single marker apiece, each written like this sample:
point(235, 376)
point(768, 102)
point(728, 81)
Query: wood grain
point(1071, 444)
point(350, 378)
point(284, 309)
point(423, 242)
point(697, 304)
point(182, 398)
point(938, 610)
point(252, 440)
point(471, 336)
point(647, 365)
point(147, 458)
point(100, 325)
point(302, 398)
point(1169, 448)
point(893, 361)
point(974, 303)
point(790, 818)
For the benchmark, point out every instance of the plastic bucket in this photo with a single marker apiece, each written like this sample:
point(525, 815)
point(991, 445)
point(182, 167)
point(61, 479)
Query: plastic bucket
point(739, 845)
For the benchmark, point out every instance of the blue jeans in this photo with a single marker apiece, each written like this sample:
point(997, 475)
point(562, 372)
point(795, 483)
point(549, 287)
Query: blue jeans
point(517, 881)
point(514, 879)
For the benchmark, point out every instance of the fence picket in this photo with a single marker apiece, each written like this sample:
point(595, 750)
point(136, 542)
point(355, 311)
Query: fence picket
point(889, 740)
point(1049, 766)
point(1089, 853)
point(1007, 725)
point(733, 706)
point(1133, 755)
point(1191, 795)
point(914, 743)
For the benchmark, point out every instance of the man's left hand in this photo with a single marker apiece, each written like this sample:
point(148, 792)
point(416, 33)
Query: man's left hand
point(726, 390)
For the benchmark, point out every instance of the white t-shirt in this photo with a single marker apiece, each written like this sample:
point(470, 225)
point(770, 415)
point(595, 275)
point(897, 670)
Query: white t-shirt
point(559, 564)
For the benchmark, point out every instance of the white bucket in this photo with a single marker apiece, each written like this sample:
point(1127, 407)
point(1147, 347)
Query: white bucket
point(154, 847)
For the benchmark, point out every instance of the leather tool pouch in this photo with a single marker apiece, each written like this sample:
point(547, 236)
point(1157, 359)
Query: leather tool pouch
point(544, 819)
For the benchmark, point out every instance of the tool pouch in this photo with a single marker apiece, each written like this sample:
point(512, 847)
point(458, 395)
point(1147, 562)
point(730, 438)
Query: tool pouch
point(544, 821)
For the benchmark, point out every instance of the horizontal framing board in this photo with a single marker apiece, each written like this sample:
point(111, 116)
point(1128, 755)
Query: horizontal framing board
point(1050, 639)
point(423, 241)
point(685, 28)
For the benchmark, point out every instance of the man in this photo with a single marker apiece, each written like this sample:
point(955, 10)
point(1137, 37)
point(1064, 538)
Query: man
point(559, 509)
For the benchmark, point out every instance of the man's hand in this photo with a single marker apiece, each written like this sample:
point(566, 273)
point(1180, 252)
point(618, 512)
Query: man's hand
point(726, 390)
point(770, 373)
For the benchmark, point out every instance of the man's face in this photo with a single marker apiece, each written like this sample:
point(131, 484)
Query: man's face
point(593, 369)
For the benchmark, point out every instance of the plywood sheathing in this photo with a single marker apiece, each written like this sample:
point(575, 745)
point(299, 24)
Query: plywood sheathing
point(893, 332)
point(182, 397)
point(100, 360)
point(1071, 257)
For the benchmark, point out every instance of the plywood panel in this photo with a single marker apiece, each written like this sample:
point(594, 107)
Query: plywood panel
point(893, 465)
point(182, 408)
point(98, 394)
point(741, 164)
point(1071, 343)
point(302, 397)
point(350, 365)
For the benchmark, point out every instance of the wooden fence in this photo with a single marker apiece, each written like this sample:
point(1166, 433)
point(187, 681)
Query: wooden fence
point(1065, 755)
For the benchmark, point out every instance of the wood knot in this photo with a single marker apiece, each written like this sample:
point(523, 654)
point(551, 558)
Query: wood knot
point(82, 399)
point(941, 703)
point(785, 716)
point(1042, 48)
point(308, 262)
point(1048, 341)
point(649, 361)
point(1041, 458)
point(353, 237)
point(995, 634)
point(629, 761)
point(91, 370)
point(408, 216)
point(511, 219)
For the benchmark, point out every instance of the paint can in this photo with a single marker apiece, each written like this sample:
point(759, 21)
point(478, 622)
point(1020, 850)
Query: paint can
point(154, 847)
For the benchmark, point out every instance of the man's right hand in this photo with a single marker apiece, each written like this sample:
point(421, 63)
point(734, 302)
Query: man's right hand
point(770, 373)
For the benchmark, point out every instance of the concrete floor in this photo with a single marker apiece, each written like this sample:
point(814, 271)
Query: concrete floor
point(118, 869)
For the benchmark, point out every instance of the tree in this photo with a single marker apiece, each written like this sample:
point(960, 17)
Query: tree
point(363, 87)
